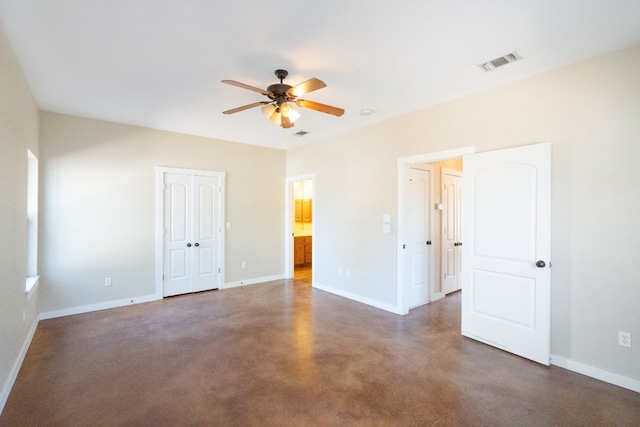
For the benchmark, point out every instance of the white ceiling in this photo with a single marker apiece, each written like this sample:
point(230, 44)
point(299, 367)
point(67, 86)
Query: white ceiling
point(159, 63)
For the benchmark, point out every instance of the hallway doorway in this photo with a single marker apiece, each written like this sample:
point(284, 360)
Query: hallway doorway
point(300, 228)
point(441, 221)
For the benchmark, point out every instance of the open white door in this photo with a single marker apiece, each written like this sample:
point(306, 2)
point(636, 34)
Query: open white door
point(506, 299)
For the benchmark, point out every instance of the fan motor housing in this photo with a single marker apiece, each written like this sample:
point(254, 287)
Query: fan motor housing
point(278, 92)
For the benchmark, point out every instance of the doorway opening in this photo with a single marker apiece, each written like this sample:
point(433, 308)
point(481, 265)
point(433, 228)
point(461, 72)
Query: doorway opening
point(300, 226)
point(434, 222)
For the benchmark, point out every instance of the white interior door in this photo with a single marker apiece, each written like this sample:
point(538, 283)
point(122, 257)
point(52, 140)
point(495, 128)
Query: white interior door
point(506, 257)
point(206, 232)
point(418, 220)
point(177, 259)
point(192, 233)
point(451, 230)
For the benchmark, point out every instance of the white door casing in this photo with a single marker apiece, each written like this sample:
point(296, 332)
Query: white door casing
point(191, 232)
point(507, 231)
point(418, 237)
point(451, 230)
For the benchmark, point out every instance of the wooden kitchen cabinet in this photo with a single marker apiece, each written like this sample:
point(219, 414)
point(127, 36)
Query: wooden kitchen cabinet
point(302, 210)
point(302, 252)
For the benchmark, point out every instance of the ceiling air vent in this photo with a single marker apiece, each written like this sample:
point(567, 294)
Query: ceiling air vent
point(499, 62)
point(301, 133)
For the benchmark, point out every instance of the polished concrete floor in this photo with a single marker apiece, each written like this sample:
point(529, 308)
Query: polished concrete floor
point(284, 354)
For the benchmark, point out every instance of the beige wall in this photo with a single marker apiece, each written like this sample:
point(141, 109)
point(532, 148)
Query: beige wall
point(18, 133)
point(590, 112)
point(98, 210)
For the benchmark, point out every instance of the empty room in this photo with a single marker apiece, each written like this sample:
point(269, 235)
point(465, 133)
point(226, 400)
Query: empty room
point(334, 213)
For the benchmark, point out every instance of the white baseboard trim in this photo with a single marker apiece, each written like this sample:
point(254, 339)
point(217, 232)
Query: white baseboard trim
point(252, 281)
point(15, 369)
point(358, 298)
point(597, 373)
point(99, 306)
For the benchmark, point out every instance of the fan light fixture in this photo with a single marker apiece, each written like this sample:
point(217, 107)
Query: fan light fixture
point(281, 96)
point(284, 115)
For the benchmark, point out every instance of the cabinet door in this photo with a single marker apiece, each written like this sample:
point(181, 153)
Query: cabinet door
point(298, 210)
point(307, 249)
point(306, 210)
point(298, 250)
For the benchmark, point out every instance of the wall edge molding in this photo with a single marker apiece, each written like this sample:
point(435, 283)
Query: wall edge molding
point(15, 369)
point(358, 298)
point(597, 373)
point(97, 307)
point(255, 281)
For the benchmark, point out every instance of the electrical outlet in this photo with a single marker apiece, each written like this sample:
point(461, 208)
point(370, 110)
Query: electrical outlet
point(624, 339)
point(244, 264)
point(339, 272)
point(107, 281)
point(348, 274)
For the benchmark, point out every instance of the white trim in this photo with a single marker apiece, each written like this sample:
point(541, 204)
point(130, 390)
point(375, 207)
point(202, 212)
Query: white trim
point(597, 373)
point(15, 369)
point(31, 283)
point(403, 162)
point(437, 156)
point(159, 233)
point(99, 306)
point(358, 298)
point(257, 280)
point(289, 219)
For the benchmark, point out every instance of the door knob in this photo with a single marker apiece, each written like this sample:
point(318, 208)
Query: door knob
point(188, 245)
point(540, 264)
point(197, 244)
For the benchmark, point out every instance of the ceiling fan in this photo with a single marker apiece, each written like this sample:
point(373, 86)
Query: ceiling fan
point(281, 96)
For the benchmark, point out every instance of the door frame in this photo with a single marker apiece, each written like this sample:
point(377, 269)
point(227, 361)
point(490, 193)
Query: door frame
point(401, 299)
point(289, 227)
point(159, 233)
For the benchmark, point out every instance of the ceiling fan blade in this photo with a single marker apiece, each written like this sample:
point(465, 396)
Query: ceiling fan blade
point(306, 87)
point(245, 107)
point(245, 86)
point(323, 108)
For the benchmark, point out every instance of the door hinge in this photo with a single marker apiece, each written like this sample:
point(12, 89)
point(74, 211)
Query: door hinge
point(218, 270)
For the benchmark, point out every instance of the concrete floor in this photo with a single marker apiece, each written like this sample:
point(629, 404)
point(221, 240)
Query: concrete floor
point(284, 354)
